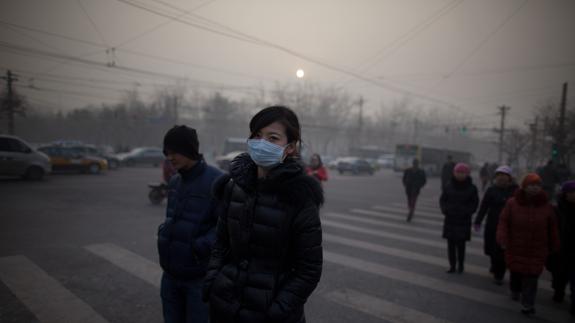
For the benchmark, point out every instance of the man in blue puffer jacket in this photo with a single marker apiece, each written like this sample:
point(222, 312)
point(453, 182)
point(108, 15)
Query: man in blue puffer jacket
point(186, 237)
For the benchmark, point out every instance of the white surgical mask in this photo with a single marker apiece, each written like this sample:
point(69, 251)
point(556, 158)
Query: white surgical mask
point(265, 153)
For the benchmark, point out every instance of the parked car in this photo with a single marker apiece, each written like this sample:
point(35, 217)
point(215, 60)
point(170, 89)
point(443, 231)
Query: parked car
point(65, 158)
point(223, 162)
point(113, 161)
point(18, 158)
point(354, 165)
point(142, 156)
point(386, 161)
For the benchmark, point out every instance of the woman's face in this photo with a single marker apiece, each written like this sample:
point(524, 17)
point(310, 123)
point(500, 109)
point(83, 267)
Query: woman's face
point(276, 134)
point(460, 176)
point(315, 161)
point(502, 180)
point(533, 189)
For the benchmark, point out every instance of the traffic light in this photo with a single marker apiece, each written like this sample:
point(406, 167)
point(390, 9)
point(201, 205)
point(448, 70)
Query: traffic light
point(554, 151)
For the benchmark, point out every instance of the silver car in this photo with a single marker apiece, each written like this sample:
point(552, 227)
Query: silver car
point(17, 158)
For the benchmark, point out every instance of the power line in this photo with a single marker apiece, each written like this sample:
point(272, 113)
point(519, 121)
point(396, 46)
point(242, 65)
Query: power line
point(254, 40)
point(94, 26)
point(133, 52)
point(394, 46)
point(486, 39)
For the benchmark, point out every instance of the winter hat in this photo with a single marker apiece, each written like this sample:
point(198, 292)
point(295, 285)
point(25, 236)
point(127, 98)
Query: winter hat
point(531, 179)
point(182, 140)
point(504, 170)
point(462, 168)
point(568, 186)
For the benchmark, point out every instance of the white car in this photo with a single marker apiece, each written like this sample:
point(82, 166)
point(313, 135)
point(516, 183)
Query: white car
point(17, 158)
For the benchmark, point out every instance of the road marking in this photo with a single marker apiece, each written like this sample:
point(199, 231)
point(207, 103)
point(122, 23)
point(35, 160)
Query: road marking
point(379, 308)
point(458, 290)
point(419, 207)
point(392, 216)
point(43, 295)
point(401, 237)
point(136, 265)
point(409, 255)
point(435, 215)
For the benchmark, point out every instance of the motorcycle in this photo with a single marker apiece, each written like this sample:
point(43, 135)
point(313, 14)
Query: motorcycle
point(158, 192)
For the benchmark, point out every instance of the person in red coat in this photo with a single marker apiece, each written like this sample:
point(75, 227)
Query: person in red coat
point(316, 168)
point(527, 231)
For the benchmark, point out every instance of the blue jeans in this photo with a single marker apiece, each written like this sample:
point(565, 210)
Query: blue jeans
point(182, 301)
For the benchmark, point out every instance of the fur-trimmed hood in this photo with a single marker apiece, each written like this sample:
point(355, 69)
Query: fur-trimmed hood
point(288, 181)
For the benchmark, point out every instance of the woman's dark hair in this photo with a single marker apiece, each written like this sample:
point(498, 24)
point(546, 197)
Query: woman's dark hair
point(281, 114)
point(318, 158)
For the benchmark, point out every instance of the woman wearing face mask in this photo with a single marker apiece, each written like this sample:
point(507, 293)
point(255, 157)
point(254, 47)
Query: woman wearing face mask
point(458, 202)
point(492, 203)
point(527, 231)
point(316, 169)
point(267, 258)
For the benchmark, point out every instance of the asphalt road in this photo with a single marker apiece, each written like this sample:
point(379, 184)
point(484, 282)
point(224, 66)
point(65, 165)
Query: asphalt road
point(81, 248)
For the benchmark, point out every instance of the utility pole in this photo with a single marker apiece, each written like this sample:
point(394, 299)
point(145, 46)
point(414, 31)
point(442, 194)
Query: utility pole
point(534, 134)
point(503, 111)
point(360, 102)
point(561, 131)
point(8, 104)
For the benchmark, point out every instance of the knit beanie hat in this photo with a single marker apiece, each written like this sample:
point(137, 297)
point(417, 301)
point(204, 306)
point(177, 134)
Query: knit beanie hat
point(462, 168)
point(182, 140)
point(504, 170)
point(568, 186)
point(531, 179)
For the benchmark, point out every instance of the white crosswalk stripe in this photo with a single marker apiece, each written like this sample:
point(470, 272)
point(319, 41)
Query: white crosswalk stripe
point(459, 290)
point(383, 222)
point(433, 215)
point(409, 255)
point(401, 237)
point(388, 215)
point(379, 308)
point(43, 295)
point(136, 265)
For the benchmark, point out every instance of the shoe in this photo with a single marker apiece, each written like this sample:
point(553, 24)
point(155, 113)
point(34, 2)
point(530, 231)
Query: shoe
point(528, 311)
point(460, 270)
point(498, 282)
point(409, 216)
point(451, 270)
point(558, 296)
point(515, 296)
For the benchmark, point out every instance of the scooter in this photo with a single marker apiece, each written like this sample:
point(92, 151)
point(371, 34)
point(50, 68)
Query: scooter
point(158, 192)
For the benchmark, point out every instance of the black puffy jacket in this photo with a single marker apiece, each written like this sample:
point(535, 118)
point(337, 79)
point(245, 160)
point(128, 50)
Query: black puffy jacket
point(492, 204)
point(459, 200)
point(267, 259)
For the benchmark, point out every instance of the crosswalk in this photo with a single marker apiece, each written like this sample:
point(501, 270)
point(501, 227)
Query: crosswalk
point(377, 230)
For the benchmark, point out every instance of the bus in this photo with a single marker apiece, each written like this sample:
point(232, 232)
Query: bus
point(430, 159)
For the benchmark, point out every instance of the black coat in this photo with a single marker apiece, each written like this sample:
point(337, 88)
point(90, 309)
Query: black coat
point(492, 204)
point(447, 173)
point(566, 216)
point(414, 180)
point(458, 202)
point(267, 259)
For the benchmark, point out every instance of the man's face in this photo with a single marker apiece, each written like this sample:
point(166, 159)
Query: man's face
point(179, 161)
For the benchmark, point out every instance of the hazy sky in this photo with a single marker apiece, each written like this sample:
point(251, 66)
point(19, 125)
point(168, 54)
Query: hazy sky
point(474, 54)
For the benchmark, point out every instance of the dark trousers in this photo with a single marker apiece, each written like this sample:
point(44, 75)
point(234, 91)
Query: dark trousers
point(182, 301)
point(456, 253)
point(412, 200)
point(562, 275)
point(498, 266)
point(526, 285)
